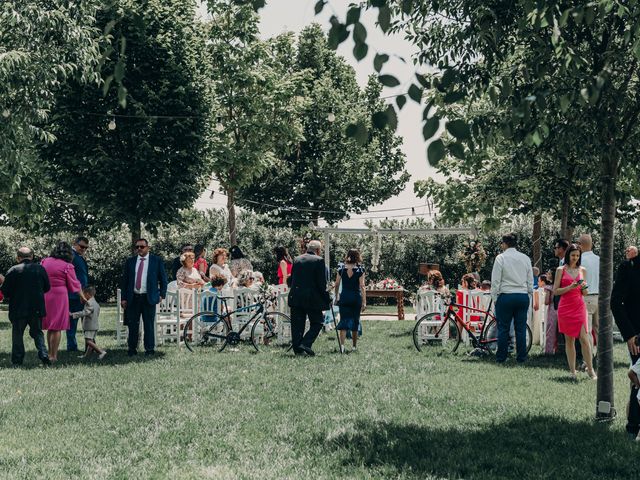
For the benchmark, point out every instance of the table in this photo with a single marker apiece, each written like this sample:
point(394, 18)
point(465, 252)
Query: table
point(398, 294)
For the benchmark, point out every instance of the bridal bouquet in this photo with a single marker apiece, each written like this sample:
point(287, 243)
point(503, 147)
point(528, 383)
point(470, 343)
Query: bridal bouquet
point(388, 284)
point(473, 256)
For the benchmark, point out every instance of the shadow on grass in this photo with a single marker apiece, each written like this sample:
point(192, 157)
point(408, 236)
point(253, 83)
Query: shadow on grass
point(524, 448)
point(70, 359)
point(557, 362)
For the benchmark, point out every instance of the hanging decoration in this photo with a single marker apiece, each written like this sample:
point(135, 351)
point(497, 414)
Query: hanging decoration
point(375, 255)
point(473, 256)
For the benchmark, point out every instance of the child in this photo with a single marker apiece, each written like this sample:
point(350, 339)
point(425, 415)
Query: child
point(634, 373)
point(210, 304)
point(89, 316)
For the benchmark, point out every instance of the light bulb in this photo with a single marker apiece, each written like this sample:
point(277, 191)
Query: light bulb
point(219, 127)
point(331, 117)
point(112, 124)
point(6, 113)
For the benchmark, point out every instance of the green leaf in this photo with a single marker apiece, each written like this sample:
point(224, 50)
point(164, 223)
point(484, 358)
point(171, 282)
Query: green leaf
point(122, 96)
point(423, 80)
point(378, 3)
point(358, 132)
point(360, 51)
point(359, 33)
point(106, 85)
point(565, 101)
point(536, 138)
point(319, 6)
point(457, 150)
point(401, 101)
point(108, 27)
point(459, 129)
point(415, 93)
point(119, 71)
point(446, 79)
point(384, 18)
point(407, 6)
point(430, 128)
point(388, 80)
point(379, 60)
point(453, 97)
point(435, 152)
point(379, 120)
point(392, 118)
point(353, 15)
point(123, 45)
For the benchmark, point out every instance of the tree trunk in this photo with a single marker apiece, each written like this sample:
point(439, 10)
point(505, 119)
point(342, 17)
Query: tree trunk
point(566, 232)
point(231, 209)
point(136, 232)
point(537, 235)
point(605, 332)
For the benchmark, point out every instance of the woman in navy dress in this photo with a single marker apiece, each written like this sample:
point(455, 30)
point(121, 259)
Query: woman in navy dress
point(352, 299)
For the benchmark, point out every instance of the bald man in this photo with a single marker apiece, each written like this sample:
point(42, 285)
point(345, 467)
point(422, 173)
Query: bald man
point(591, 263)
point(631, 252)
point(25, 285)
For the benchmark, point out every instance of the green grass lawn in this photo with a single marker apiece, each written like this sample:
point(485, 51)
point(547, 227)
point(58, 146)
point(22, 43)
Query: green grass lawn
point(384, 412)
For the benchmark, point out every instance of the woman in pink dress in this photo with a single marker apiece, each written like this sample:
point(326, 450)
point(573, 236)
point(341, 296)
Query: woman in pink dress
point(572, 310)
point(62, 277)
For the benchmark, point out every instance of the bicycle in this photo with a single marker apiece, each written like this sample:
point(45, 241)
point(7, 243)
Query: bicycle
point(268, 328)
point(446, 329)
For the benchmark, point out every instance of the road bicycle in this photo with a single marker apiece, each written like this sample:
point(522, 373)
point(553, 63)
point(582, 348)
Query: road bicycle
point(268, 328)
point(444, 330)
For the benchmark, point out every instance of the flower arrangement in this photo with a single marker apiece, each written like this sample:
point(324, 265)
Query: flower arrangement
point(473, 256)
point(388, 284)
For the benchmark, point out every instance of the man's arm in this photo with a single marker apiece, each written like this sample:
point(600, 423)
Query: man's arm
point(46, 285)
point(7, 285)
point(124, 284)
point(496, 278)
point(618, 295)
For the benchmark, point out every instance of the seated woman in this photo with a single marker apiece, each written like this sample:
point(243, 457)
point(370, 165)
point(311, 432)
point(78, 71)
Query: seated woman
point(436, 281)
point(219, 265)
point(188, 276)
point(246, 279)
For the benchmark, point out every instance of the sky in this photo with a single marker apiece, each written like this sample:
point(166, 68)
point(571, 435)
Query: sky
point(293, 15)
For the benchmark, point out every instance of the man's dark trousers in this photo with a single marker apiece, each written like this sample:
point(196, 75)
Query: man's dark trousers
point(298, 321)
point(72, 343)
point(140, 306)
point(512, 306)
point(17, 342)
point(633, 418)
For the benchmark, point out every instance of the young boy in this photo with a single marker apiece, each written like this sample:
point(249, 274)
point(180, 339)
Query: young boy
point(634, 374)
point(90, 325)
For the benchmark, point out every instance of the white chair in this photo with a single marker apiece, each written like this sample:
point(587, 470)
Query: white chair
point(478, 299)
point(243, 298)
point(540, 317)
point(172, 314)
point(428, 302)
point(205, 301)
point(122, 332)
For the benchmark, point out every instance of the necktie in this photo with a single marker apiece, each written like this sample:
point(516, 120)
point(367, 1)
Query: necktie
point(139, 274)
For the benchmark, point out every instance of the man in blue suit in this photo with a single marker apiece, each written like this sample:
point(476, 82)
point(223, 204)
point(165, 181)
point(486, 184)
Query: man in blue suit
point(80, 247)
point(144, 284)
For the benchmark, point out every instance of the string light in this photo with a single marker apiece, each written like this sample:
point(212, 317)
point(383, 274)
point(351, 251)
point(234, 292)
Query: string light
point(219, 125)
point(331, 117)
point(211, 196)
point(112, 124)
point(6, 113)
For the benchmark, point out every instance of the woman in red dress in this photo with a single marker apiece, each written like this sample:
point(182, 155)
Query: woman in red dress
point(284, 264)
point(572, 310)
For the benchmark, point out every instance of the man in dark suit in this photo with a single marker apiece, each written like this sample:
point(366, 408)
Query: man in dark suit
point(25, 286)
point(79, 248)
point(144, 284)
point(625, 306)
point(308, 297)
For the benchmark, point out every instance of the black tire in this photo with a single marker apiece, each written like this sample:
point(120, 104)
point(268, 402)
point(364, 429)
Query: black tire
point(446, 340)
point(271, 331)
point(211, 334)
point(489, 337)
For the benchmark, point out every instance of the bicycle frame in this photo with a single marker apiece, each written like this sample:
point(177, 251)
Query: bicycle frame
point(452, 314)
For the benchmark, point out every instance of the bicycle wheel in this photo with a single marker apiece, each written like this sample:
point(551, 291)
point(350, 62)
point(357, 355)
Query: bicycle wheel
point(436, 331)
point(198, 332)
point(489, 338)
point(271, 331)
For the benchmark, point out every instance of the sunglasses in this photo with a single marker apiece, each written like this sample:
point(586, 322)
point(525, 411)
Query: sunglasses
point(140, 247)
point(83, 247)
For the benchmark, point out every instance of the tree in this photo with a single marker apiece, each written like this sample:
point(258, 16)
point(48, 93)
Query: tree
point(141, 163)
point(329, 174)
point(542, 63)
point(62, 42)
point(258, 97)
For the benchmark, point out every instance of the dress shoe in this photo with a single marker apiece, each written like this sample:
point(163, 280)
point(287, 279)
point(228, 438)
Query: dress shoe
point(45, 361)
point(132, 353)
point(149, 353)
point(301, 353)
point(307, 350)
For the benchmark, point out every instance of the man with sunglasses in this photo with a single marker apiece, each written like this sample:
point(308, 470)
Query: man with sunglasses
point(79, 247)
point(144, 285)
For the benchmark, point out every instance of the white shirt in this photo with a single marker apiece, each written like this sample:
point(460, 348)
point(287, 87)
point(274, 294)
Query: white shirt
point(512, 273)
point(145, 266)
point(591, 263)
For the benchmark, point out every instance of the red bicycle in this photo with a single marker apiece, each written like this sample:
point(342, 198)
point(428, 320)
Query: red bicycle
point(444, 330)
